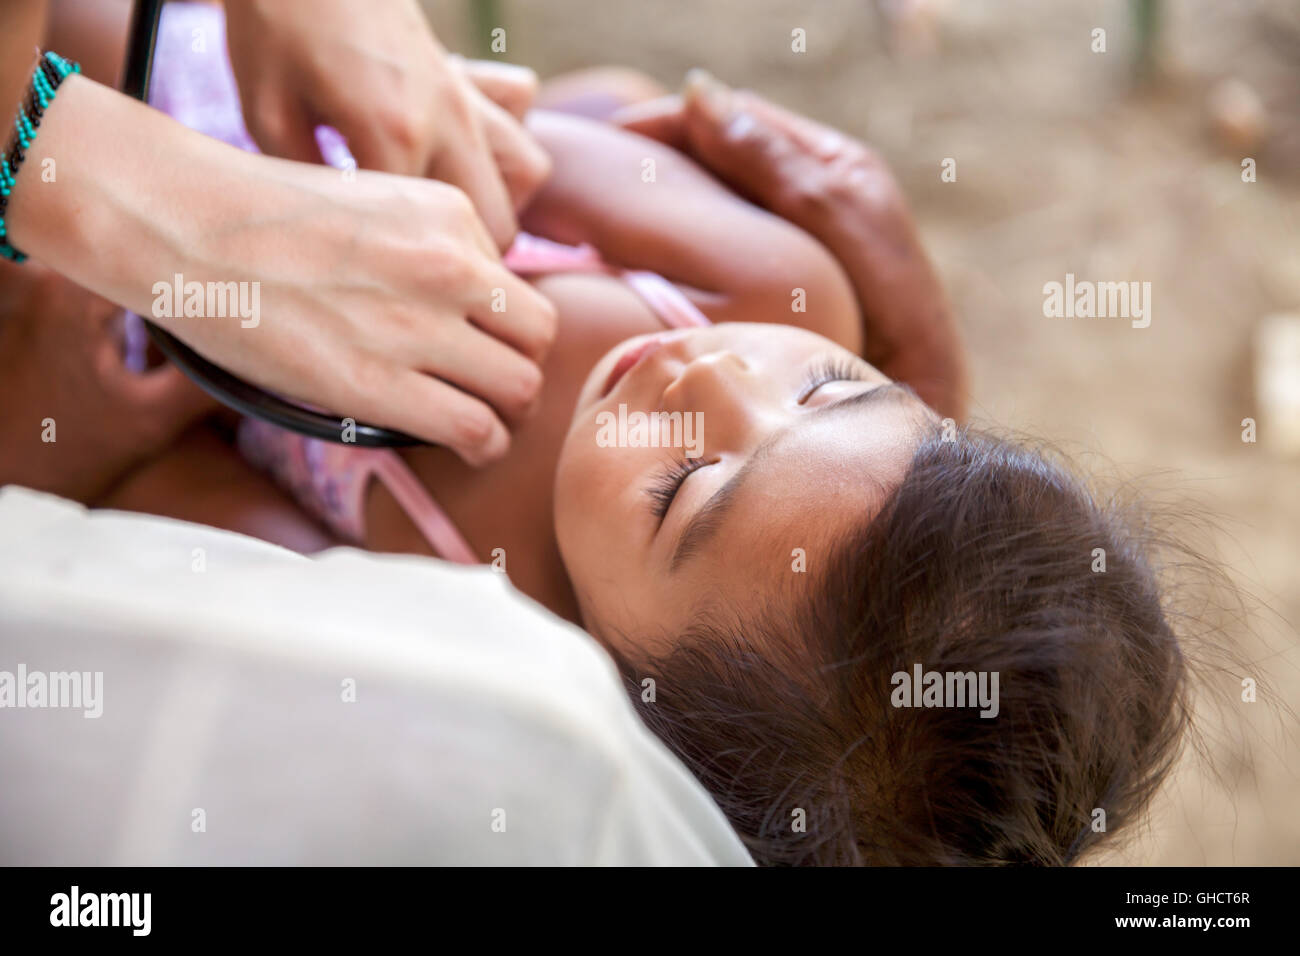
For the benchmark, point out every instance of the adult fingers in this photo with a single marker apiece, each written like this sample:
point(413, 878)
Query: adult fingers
point(437, 412)
point(809, 136)
point(488, 369)
point(508, 308)
point(662, 119)
point(742, 147)
point(511, 87)
point(466, 161)
point(386, 131)
point(466, 225)
point(282, 129)
point(522, 162)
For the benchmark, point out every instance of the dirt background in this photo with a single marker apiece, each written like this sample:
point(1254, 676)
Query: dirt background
point(1068, 161)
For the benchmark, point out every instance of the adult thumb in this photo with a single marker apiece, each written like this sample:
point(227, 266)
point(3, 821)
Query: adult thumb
point(737, 142)
point(662, 119)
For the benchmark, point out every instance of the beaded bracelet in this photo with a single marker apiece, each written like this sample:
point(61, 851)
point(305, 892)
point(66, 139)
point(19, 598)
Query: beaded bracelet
point(51, 70)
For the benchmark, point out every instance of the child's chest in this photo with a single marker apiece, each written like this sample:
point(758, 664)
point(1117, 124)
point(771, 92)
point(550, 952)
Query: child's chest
point(504, 510)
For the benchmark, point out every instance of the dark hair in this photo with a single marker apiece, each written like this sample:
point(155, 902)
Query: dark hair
point(983, 559)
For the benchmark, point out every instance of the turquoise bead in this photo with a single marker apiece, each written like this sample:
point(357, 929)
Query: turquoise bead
point(42, 92)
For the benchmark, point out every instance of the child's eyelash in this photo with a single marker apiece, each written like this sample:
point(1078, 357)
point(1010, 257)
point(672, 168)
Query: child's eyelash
point(665, 487)
point(830, 368)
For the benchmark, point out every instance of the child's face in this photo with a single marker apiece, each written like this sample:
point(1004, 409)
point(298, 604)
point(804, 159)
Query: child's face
point(794, 441)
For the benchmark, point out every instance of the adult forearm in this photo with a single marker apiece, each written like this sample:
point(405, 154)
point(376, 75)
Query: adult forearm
point(842, 193)
point(117, 196)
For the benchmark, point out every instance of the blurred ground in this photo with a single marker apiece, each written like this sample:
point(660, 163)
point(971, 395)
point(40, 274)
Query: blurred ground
point(1064, 164)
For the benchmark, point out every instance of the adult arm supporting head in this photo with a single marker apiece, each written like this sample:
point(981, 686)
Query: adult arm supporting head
point(841, 192)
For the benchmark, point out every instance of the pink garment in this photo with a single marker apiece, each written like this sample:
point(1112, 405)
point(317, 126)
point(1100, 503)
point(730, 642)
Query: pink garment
point(192, 81)
point(533, 255)
point(330, 482)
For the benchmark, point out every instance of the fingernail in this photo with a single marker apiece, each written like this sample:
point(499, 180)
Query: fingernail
point(646, 110)
point(702, 87)
point(507, 71)
point(698, 80)
point(495, 449)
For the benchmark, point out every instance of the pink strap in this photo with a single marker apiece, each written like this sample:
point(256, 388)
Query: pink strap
point(533, 255)
point(414, 499)
point(666, 301)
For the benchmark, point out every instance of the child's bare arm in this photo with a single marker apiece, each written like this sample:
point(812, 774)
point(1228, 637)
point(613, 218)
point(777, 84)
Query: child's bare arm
point(645, 206)
point(843, 193)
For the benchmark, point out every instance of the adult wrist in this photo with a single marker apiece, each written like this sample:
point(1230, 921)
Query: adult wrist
point(114, 195)
point(46, 77)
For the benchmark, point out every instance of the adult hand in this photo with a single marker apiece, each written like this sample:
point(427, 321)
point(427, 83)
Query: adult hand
point(508, 85)
point(377, 74)
point(382, 298)
point(841, 192)
point(379, 297)
point(76, 418)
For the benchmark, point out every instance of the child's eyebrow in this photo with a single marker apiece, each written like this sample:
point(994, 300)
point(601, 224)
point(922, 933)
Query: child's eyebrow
point(711, 515)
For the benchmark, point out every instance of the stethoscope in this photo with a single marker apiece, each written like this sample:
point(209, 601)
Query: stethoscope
point(226, 388)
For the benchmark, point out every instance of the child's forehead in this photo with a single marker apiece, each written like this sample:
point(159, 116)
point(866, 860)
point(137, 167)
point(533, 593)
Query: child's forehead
point(817, 484)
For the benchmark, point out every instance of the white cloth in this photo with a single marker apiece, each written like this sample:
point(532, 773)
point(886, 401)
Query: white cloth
point(484, 730)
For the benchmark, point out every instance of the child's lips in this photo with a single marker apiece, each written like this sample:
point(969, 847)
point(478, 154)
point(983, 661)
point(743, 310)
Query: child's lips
point(630, 358)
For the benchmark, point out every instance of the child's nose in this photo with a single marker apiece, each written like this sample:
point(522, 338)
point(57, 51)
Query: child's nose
point(723, 363)
point(723, 388)
point(704, 379)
